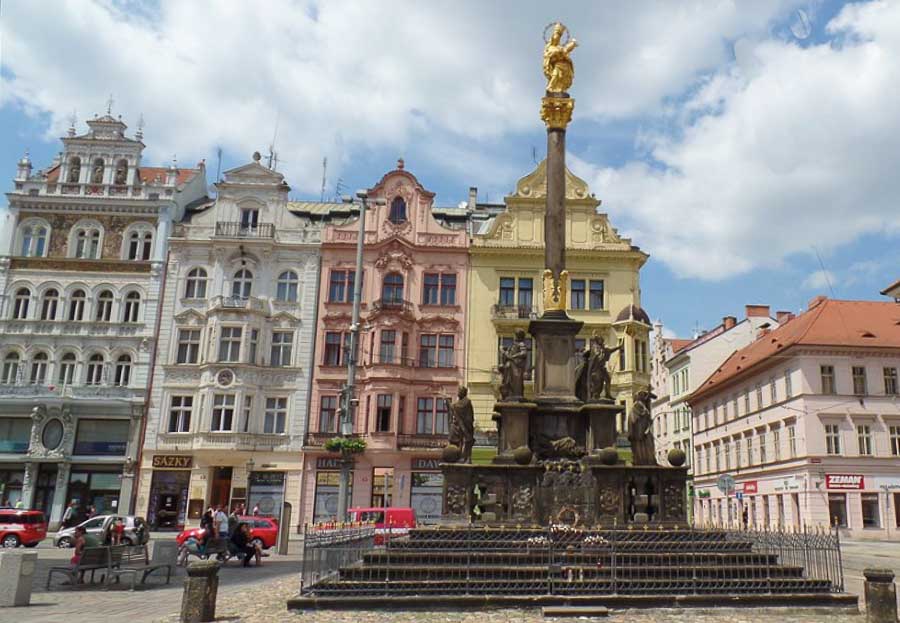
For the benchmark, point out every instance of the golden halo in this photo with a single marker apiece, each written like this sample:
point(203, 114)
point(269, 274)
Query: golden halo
point(565, 37)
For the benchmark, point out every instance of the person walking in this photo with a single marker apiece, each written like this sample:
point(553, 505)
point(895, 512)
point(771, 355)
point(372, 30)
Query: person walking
point(221, 520)
point(68, 518)
point(207, 522)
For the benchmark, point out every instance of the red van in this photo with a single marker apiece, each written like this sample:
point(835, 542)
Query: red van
point(389, 520)
point(21, 527)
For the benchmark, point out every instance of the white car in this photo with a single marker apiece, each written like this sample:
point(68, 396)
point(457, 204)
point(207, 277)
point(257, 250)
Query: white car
point(97, 528)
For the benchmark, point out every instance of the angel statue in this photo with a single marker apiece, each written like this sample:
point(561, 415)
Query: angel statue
point(558, 68)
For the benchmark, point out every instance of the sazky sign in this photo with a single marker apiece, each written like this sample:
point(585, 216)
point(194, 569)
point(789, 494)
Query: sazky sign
point(852, 482)
point(172, 461)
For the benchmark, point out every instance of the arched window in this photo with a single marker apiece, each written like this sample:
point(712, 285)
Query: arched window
point(195, 284)
point(132, 307)
point(95, 370)
point(87, 243)
point(10, 369)
point(398, 211)
point(123, 371)
point(287, 286)
point(140, 245)
point(49, 303)
point(34, 240)
point(392, 289)
point(104, 306)
point(67, 369)
point(242, 284)
point(39, 365)
point(74, 170)
point(20, 307)
point(76, 305)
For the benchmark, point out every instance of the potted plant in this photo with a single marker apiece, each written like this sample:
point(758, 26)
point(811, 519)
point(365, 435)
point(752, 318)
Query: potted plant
point(346, 446)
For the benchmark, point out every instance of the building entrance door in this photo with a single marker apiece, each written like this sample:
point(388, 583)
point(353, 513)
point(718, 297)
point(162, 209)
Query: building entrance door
point(45, 489)
point(220, 491)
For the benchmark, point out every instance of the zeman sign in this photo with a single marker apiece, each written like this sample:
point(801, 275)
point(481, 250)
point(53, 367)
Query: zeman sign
point(173, 461)
point(845, 482)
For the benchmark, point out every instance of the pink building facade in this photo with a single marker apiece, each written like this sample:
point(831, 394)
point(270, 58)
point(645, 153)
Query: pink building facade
point(411, 352)
point(806, 420)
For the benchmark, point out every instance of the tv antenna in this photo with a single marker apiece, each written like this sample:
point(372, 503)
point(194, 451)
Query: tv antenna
point(324, 178)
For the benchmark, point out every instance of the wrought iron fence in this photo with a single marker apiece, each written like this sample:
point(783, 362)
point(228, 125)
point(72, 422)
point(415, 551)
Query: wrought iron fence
point(328, 548)
point(561, 560)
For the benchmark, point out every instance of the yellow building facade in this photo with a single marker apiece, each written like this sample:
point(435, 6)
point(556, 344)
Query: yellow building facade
point(506, 261)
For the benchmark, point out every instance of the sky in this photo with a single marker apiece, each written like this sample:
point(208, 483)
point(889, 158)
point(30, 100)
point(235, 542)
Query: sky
point(749, 147)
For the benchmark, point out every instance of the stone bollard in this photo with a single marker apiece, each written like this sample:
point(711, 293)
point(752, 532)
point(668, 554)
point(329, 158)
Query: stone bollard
point(198, 604)
point(881, 596)
point(16, 575)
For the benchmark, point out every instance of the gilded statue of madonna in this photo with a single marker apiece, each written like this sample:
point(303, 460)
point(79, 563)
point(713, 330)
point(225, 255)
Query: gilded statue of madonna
point(558, 67)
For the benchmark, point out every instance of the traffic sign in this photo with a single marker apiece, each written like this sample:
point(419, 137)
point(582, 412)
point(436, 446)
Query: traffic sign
point(739, 495)
point(725, 484)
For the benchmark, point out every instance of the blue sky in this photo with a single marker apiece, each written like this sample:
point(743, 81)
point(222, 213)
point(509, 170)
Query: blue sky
point(745, 146)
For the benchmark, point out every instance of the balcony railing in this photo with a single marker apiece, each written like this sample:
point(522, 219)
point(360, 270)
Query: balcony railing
point(239, 302)
point(237, 229)
point(421, 441)
point(513, 312)
point(395, 305)
point(221, 441)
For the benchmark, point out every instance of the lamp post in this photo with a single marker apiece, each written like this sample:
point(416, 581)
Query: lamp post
point(348, 401)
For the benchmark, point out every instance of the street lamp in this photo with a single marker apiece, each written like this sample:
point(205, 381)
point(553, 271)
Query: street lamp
point(347, 399)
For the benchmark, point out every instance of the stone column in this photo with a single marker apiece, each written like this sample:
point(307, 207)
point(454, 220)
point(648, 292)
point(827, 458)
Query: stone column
point(555, 217)
point(59, 495)
point(198, 603)
point(881, 596)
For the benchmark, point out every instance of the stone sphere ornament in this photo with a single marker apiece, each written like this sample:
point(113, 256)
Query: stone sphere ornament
point(451, 454)
point(609, 456)
point(522, 455)
point(676, 457)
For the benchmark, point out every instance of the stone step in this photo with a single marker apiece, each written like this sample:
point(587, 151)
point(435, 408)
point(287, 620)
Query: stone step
point(449, 544)
point(623, 559)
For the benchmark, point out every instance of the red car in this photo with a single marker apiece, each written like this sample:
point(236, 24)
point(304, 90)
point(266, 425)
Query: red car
point(391, 521)
point(21, 527)
point(263, 530)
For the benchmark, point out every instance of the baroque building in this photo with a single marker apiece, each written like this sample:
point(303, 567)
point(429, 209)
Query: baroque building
point(81, 266)
point(806, 420)
point(506, 264)
point(228, 407)
point(413, 309)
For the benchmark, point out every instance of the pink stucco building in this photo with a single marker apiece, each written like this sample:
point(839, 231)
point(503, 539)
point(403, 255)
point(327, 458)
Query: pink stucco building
point(411, 357)
point(806, 420)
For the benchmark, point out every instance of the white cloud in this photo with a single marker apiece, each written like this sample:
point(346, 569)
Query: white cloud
point(792, 148)
point(344, 78)
point(820, 280)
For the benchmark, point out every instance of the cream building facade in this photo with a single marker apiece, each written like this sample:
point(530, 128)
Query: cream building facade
point(506, 257)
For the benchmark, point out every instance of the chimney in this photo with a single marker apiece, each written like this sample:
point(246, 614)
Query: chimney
point(757, 311)
point(815, 301)
point(783, 316)
point(728, 322)
point(473, 196)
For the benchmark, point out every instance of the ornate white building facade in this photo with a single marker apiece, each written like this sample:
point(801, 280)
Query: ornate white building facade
point(81, 263)
point(229, 401)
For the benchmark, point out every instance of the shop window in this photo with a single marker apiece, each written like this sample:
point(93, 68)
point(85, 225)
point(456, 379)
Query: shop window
point(195, 284)
point(266, 494)
point(426, 496)
point(870, 515)
point(15, 435)
point(326, 502)
point(102, 437)
point(100, 489)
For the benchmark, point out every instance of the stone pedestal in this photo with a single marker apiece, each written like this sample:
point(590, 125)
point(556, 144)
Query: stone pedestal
point(554, 366)
point(198, 604)
point(601, 418)
point(16, 577)
point(513, 428)
point(881, 596)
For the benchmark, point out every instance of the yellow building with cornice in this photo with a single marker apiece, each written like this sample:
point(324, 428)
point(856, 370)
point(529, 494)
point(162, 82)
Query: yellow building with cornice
point(506, 262)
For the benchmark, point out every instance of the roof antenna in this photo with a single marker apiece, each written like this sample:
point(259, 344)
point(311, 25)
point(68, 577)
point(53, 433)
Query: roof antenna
point(324, 171)
point(109, 104)
point(273, 155)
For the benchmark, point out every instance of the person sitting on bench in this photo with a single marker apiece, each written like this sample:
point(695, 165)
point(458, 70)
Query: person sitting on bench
point(242, 544)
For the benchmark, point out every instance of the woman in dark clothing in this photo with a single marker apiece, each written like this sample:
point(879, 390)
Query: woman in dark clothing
point(206, 522)
point(240, 541)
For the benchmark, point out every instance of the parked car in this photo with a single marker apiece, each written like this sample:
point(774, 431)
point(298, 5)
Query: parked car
point(263, 530)
point(389, 520)
point(22, 527)
point(97, 528)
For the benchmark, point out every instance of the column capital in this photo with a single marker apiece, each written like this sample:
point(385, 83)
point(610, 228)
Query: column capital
point(556, 112)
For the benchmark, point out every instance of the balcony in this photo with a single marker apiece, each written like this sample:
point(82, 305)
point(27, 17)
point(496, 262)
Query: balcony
point(250, 303)
point(237, 229)
point(317, 439)
point(222, 441)
point(421, 441)
point(513, 312)
point(77, 392)
point(392, 305)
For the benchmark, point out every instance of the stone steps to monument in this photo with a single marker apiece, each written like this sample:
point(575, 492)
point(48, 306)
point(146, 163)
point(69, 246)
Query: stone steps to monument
point(643, 586)
point(566, 572)
point(523, 534)
point(684, 545)
point(542, 557)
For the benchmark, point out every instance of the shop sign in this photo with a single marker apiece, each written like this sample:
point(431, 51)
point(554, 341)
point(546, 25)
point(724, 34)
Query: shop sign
point(703, 493)
point(329, 462)
point(266, 479)
point(429, 463)
point(173, 461)
point(751, 487)
point(787, 484)
point(845, 482)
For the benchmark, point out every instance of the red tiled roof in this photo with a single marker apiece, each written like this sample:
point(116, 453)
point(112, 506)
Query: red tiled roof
point(677, 344)
point(53, 173)
point(149, 175)
point(827, 323)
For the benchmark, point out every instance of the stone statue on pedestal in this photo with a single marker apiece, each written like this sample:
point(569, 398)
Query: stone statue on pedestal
point(640, 430)
point(462, 425)
point(513, 367)
point(592, 379)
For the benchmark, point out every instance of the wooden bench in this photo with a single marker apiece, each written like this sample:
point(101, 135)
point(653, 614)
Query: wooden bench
point(92, 559)
point(135, 561)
